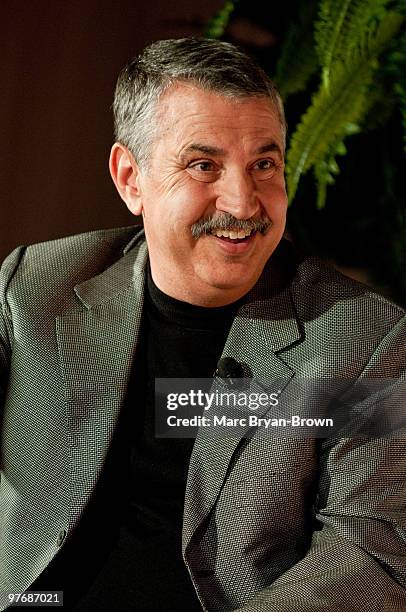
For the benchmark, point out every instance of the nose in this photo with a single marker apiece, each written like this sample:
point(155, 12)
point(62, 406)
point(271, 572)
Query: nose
point(237, 195)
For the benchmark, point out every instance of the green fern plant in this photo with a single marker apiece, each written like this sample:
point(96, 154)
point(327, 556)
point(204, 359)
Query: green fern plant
point(349, 59)
point(219, 22)
point(298, 60)
point(339, 27)
point(357, 50)
point(345, 46)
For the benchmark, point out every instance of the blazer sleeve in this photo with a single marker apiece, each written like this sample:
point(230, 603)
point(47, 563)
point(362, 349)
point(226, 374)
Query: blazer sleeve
point(7, 272)
point(357, 558)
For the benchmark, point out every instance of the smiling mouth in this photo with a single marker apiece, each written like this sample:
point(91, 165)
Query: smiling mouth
point(234, 236)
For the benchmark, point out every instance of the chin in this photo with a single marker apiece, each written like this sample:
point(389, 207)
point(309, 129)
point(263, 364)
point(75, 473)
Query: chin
point(229, 281)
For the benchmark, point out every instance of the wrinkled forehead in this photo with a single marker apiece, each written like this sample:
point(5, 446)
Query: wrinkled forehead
point(187, 112)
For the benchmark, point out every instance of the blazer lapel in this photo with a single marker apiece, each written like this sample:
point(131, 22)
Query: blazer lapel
point(263, 328)
point(96, 347)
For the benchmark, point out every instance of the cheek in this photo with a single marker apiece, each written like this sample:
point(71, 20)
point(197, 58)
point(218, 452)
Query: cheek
point(191, 204)
point(275, 203)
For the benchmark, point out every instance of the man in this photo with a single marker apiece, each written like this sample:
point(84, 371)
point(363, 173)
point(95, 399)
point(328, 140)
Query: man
point(92, 502)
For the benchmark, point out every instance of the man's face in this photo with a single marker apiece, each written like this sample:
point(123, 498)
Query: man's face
point(212, 156)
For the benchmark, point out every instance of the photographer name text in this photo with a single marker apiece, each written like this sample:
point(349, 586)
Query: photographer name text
point(251, 421)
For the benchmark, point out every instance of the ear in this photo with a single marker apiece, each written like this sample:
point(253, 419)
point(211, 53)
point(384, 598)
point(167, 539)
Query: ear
point(125, 173)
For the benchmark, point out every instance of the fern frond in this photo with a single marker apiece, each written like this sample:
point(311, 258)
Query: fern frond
point(325, 172)
point(329, 119)
point(361, 26)
point(217, 25)
point(327, 31)
point(298, 59)
point(341, 29)
point(336, 112)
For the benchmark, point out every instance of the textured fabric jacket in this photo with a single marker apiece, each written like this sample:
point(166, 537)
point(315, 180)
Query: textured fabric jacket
point(277, 524)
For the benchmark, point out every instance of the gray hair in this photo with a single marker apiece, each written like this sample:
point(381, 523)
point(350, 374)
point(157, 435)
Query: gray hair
point(210, 64)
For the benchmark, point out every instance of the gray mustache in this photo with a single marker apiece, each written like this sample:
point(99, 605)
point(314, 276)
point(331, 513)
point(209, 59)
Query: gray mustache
point(228, 222)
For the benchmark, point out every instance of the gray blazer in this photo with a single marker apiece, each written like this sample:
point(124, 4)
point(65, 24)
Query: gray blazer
point(282, 524)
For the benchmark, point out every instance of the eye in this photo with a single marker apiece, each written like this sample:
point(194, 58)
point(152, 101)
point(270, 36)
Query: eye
point(203, 166)
point(265, 164)
point(203, 170)
point(264, 168)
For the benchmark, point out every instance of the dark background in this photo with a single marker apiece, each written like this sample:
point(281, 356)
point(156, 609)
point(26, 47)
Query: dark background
point(60, 60)
point(59, 63)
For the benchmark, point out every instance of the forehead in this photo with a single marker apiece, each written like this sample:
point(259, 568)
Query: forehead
point(186, 113)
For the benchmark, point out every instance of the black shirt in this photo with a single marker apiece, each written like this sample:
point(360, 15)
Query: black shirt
point(126, 552)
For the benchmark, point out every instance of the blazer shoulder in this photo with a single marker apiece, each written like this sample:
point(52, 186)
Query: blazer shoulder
point(323, 291)
point(49, 270)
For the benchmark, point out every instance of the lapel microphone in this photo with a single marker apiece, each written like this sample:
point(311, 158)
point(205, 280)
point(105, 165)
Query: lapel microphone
point(229, 370)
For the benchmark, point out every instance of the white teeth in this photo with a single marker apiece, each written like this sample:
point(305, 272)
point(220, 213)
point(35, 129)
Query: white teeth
point(233, 234)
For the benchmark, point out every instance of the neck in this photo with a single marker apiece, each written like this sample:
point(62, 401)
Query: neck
point(206, 296)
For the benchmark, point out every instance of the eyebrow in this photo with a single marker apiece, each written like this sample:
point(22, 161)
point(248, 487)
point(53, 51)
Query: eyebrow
point(201, 148)
point(197, 147)
point(269, 147)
